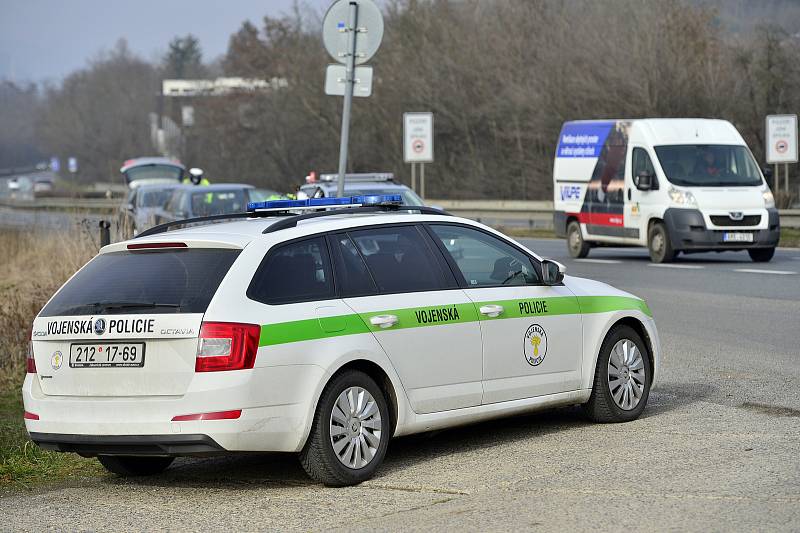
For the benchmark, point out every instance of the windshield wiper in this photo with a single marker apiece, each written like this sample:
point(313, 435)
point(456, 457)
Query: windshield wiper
point(136, 305)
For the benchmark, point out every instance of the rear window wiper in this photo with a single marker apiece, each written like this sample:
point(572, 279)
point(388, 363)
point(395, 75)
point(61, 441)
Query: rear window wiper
point(136, 305)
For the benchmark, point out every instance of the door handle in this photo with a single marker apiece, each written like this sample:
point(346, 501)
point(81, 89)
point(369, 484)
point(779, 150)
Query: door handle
point(629, 193)
point(383, 321)
point(491, 311)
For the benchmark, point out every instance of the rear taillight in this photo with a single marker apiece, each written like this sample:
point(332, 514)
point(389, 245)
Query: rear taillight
point(30, 416)
point(30, 362)
point(226, 346)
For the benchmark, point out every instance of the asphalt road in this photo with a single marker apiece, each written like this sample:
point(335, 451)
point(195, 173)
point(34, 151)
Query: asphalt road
point(716, 450)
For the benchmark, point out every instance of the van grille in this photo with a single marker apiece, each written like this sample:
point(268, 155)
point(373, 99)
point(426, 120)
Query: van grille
point(749, 220)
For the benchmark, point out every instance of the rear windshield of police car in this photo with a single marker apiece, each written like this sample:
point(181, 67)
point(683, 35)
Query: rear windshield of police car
point(139, 282)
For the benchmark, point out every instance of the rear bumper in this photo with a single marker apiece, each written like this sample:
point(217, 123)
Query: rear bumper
point(91, 445)
point(276, 403)
point(688, 231)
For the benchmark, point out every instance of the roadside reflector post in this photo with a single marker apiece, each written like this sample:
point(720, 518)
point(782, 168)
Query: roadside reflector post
point(105, 234)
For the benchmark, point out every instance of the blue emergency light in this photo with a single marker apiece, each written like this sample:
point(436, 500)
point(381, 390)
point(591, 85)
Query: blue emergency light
point(325, 203)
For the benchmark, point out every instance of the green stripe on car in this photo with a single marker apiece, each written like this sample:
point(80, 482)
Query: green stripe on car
point(418, 317)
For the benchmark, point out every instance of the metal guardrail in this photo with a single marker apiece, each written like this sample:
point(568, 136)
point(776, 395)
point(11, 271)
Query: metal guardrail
point(86, 204)
point(518, 213)
point(538, 214)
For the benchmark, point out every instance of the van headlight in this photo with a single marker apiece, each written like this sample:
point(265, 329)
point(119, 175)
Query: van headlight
point(682, 198)
point(769, 199)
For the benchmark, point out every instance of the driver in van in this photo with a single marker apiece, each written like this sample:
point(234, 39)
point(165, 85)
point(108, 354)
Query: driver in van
point(707, 164)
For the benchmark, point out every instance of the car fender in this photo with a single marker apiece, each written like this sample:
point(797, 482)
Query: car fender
point(596, 327)
point(360, 350)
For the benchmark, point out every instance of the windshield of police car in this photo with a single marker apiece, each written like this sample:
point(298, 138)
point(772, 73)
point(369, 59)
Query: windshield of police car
point(709, 165)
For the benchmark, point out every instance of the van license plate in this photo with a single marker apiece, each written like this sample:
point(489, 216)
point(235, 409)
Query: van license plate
point(106, 355)
point(737, 237)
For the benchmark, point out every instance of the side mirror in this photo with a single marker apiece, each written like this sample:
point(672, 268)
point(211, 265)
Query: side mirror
point(552, 272)
point(129, 207)
point(196, 172)
point(767, 172)
point(644, 181)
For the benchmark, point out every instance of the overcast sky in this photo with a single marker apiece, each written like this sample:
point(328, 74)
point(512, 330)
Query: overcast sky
point(43, 40)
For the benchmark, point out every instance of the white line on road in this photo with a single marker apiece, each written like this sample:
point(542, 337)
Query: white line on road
point(675, 266)
point(604, 261)
point(759, 271)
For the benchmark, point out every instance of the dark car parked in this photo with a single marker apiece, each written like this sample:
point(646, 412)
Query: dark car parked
point(189, 201)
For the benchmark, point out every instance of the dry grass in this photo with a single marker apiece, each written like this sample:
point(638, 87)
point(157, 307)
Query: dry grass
point(34, 265)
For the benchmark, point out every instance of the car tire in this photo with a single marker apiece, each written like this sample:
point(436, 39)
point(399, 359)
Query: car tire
point(659, 244)
point(354, 421)
point(608, 400)
point(761, 255)
point(578, 248)
point(131, 466)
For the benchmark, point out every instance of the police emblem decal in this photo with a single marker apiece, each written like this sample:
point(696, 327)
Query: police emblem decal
point(56, 359)
point(534, 345)
point(100, 326)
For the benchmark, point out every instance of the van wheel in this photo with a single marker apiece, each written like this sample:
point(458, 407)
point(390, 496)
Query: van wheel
point(578, 248)
point(350, 432)
point(659, 245)
point(129, 466)
point(761, 255)
point(622, 378)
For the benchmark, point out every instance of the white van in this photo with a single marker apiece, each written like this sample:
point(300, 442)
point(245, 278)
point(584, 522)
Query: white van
point(673, 185)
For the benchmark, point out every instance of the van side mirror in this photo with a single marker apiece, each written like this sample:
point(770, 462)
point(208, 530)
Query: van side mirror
point(644, 181)
point(767, 172)
point(552, 272)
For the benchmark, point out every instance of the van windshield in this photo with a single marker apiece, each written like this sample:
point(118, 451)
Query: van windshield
point(709, 165)
point(154, 282)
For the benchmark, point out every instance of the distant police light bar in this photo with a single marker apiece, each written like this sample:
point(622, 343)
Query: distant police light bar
point(325, 203)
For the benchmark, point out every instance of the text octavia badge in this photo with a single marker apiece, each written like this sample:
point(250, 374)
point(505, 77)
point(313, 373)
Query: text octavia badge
point(535, 345)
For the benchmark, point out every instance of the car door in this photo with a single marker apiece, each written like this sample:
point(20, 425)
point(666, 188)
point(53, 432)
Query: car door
point(396, 280)
point(638, 204)
point(531, 332)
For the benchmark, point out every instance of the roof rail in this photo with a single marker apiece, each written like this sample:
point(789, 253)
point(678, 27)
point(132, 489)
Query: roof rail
point(291, 222)
point(161, 228)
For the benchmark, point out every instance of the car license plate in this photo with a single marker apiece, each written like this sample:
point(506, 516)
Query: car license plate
point(737, 237)
point(106, 355)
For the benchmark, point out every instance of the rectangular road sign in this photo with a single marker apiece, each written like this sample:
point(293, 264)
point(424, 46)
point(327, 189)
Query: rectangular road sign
point(418, 137)
point(336, 76)
point(781, 139)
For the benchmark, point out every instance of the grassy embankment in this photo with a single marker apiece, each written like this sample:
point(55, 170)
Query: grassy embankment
point(34, 265)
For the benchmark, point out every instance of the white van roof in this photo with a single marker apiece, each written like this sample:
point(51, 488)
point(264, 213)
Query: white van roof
point(665, 131)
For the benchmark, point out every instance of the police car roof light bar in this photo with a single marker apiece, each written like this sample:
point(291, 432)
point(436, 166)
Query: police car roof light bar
point(286, 208)
point(291, 222)
point(324, 203)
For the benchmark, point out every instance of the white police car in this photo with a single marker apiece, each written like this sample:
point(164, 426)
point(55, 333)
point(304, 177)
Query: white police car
point(326, 334)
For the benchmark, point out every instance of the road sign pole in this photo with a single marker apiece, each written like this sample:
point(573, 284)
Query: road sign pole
point(422, 180)
point(786, 179)
point(352, 29)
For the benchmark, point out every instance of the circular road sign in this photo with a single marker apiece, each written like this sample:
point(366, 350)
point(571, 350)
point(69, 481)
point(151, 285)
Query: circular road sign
point(418, 146)
point(781, 146)
point(368, 38)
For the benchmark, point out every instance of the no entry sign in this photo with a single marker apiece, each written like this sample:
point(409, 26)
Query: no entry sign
point(418, 137)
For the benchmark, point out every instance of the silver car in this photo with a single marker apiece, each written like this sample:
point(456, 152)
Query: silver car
point(138, 211)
